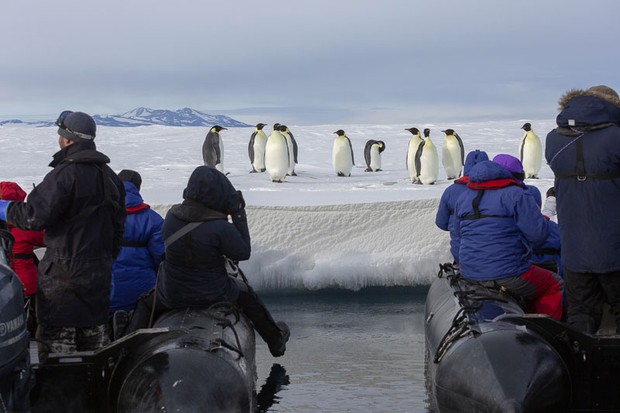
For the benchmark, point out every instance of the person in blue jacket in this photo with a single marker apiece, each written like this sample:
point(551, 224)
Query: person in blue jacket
point(194, 271)
point(499, 221)
point(546, 255)
point(584, 154)
point(444, 218)
point(135, 268)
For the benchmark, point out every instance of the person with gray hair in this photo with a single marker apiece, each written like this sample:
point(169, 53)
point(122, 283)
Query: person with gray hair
point(584, 155)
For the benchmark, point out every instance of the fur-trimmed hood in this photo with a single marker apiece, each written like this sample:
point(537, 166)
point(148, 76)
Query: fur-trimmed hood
point(594, 107)
point(614, 100)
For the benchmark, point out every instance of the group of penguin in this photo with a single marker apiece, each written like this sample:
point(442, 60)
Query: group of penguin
point(423, 162)
point(276, 154)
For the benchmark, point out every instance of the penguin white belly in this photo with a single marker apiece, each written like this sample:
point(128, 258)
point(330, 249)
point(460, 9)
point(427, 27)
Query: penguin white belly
point(341, 157)
point(429, 164)
point(375, 158)
point(531, 156)
point(220, 166)
point(291, 155)
point(276, 157)
point(411, 151)
point(451, 158)
point(260, 140)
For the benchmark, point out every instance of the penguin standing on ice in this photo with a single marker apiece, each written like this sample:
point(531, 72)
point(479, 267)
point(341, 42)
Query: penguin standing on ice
point(530, 152)
point(453, 154)
point(292, 149)
point(213, 149)
point(427, 160)
point(276, 155)
point(342, 154)
point(256, 148)
point(412, 149)
point(372, 155)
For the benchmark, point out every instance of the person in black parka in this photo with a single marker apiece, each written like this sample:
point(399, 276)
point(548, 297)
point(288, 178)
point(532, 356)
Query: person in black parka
point(80, 205)
point(584, 154)
point(194, 272)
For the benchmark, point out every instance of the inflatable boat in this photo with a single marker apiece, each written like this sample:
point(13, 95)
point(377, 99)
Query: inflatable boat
point(191, 360)
point(483, 354)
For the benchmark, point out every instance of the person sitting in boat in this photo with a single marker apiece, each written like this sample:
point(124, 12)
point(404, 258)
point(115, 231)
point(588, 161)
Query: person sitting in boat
point(546, 255)
point(444, 218)
point(135, 268)
point(22, 258)
point(499, 221)
point(194, 272)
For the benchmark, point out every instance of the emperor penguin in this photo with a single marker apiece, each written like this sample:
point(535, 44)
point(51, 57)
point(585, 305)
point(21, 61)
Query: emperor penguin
point(530, 152)
point(276, 155)
point(256, 148)
point(372, 155)
point(213, 148)
point(412, 149)
point(453, 154)
point(342, 154)
point(292, 149)
point(427, 160)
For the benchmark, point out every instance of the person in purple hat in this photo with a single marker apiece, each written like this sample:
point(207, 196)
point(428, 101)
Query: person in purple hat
point(546, 255)
point(498, 221)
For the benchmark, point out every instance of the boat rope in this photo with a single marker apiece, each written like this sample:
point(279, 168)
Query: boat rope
point(457, 330)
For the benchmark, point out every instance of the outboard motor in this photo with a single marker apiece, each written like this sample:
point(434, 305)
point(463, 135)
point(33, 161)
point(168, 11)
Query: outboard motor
point(14, 337)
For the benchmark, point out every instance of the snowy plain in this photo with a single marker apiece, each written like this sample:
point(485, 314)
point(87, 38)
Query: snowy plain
point(315, 230)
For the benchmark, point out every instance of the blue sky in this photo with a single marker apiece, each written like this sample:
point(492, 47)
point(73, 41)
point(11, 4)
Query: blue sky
point(306, 62)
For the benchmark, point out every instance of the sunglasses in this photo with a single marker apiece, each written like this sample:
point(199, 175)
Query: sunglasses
point(60, 122)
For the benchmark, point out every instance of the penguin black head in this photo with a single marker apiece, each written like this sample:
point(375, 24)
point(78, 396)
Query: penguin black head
point(527, 127)
point(448, 132)
point(414, 131)
point(283, 128)
point(276, 126)
point(339, 132)
point(260, 126)
point(218, 128)
point(427, 132)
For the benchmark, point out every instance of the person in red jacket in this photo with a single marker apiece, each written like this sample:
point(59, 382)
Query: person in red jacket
point(22, 259)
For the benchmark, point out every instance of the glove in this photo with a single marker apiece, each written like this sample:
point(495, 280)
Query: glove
point(4, 207)
point(236, 202)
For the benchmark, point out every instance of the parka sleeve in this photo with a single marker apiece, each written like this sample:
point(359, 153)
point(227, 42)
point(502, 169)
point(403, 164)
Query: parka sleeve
point(443, 213)
point(530, 221)
point(45, 204)
point(235, 240)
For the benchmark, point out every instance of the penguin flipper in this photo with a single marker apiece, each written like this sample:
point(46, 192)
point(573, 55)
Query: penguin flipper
point(295, 149)
point(351, 146)
point(521, 147)
point(251, 147)
point(460, 141)
point(367, 153)
point(418, 159)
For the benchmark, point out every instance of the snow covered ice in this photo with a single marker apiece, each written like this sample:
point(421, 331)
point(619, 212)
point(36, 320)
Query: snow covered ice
point(315, 230)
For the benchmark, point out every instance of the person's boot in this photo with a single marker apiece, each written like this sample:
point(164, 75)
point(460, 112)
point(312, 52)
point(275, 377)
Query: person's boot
point(278, 348)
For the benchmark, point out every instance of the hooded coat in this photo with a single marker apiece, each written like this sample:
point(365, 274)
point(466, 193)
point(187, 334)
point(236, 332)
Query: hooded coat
point(584, 154)
point(135, 268)
point(445, 213)
point(194, 272)
point(80, 206)
point(497, 235)
point(22, 259)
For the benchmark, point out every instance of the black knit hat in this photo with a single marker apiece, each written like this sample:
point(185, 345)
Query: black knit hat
point(131, 176)
point(76, 126)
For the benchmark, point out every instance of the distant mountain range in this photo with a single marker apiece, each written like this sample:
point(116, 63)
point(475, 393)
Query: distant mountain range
point(146, 116)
